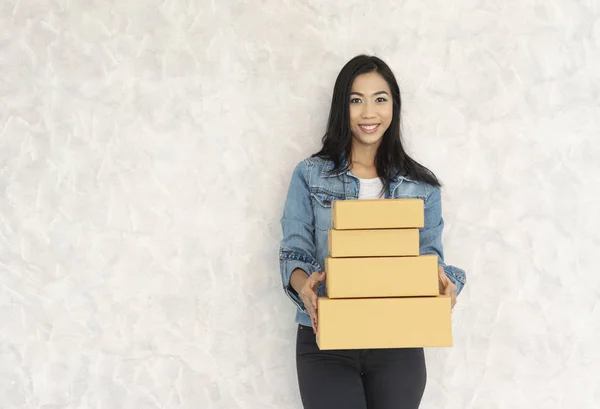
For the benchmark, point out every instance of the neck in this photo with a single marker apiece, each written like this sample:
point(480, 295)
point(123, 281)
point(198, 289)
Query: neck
point(363, 155)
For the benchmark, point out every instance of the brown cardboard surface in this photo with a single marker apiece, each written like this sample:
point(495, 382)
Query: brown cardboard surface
point(375, 323)
point(374, 243)
point(371, 277)
point(377, 214)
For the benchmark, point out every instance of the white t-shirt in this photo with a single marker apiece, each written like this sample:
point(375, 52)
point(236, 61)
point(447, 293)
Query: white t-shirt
point(370, 188)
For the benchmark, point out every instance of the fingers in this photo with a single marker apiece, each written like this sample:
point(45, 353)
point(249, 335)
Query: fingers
point(452, 296)
point(310, 302)
point(447, 287)
point(320, 279)
point(442, 273)
point(312, 305)
point(314, 316)
point(450, 291)
point(442, 280)
point(313, 319)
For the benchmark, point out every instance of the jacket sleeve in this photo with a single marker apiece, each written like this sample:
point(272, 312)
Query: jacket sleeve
point(297, 248)
point(430, 237)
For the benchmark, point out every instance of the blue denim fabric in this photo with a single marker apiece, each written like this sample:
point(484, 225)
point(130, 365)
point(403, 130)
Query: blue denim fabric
point(306, 220)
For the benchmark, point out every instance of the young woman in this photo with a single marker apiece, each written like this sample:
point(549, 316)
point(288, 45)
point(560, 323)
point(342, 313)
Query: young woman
point(361, 158)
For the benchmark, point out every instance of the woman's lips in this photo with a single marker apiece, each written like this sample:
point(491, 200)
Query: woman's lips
point(369, 128)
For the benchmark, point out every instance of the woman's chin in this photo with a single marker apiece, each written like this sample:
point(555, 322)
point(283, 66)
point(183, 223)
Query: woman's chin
point(368, 140)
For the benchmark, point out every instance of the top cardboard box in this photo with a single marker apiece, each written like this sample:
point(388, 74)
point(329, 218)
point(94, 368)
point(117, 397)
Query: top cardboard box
point(378, 214)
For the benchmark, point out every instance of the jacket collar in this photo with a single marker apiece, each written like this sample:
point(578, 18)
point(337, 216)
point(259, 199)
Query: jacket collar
point(326, 172)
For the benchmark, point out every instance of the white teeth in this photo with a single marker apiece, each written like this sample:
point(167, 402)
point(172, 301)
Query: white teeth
point(369, 128)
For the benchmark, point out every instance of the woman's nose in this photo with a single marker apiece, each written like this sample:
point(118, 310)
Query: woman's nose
point(368, 111)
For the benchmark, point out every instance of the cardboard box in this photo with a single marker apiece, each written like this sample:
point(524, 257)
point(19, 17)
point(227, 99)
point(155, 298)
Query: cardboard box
point(378, 214)
point(374, 243)
point(375, 323)
point(370, 277)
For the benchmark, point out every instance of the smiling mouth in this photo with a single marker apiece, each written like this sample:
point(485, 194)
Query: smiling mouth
point(370, 128)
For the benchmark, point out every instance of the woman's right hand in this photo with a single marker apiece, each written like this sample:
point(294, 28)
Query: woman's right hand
point(308, 294)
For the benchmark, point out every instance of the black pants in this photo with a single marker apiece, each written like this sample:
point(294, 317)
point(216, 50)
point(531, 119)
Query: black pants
point(358, 379)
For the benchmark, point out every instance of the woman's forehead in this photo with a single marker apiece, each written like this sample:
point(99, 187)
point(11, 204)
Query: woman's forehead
point(370, 83)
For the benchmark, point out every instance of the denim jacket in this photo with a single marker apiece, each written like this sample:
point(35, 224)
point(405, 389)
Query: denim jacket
point(306, 220)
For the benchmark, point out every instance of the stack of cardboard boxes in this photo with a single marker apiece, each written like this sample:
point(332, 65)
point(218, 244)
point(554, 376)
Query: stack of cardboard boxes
point(380, 292)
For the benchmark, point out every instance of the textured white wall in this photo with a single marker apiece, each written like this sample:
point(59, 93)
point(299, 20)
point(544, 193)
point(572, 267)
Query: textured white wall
point(145, 152)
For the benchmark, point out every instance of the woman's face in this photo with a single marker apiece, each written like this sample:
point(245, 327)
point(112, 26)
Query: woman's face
point(371, 108)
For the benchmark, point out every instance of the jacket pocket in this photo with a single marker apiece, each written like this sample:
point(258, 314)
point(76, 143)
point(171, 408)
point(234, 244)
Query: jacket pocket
point(322, 203)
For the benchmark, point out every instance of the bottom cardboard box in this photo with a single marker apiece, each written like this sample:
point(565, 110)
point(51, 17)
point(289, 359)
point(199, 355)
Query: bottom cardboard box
point(375, 323)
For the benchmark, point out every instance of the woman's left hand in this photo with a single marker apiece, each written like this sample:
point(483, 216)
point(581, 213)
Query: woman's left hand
point(447, 287)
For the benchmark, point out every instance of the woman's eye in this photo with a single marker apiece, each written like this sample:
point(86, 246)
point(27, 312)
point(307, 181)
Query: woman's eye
point(355, 100)
point(381, 99)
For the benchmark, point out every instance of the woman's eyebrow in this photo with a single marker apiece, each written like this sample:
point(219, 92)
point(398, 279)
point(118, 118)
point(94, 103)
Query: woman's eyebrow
point(377, 93)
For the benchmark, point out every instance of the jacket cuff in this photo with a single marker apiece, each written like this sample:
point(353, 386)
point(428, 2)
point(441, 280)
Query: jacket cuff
point(457, 276)
point(287, 268)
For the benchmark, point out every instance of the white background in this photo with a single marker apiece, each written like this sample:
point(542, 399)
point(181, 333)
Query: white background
point(146, 150)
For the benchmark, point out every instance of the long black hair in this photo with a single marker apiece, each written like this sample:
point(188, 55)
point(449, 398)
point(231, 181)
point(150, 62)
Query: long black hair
point(390, 160)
